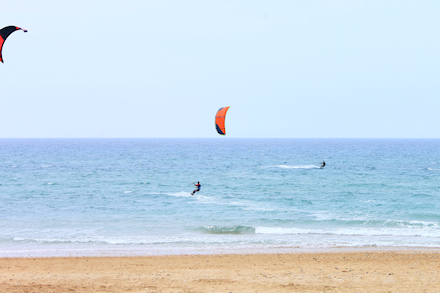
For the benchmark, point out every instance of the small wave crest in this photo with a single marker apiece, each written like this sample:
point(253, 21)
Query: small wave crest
point(228, 229)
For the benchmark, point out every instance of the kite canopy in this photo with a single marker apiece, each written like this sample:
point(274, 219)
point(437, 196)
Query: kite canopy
point(4, 33)
point(220, 120)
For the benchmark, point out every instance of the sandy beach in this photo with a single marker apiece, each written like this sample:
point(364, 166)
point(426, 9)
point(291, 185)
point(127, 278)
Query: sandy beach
point(369, 271)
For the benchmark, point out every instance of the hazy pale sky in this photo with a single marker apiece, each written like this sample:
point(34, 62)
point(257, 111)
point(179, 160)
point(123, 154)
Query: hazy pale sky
point(294, 69)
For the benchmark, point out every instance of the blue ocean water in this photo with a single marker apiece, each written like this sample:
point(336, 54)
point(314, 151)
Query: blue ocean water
point(132, 196)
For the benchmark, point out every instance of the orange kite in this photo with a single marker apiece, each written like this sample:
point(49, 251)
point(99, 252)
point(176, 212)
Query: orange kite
point(220, 120)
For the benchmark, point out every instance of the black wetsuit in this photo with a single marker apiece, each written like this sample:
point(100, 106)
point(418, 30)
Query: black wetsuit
point(323, 164)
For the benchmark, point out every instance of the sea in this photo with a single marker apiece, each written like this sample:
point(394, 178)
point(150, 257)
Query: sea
point(132, 197)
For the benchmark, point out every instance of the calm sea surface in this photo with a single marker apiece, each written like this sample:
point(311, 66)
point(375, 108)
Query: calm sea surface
point(132, 196)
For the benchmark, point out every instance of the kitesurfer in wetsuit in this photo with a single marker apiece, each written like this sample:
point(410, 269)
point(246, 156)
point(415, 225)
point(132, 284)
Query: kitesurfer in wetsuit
point(323, 164)
point(198, 187)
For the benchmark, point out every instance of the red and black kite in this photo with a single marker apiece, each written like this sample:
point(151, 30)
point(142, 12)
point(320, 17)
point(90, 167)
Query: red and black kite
point(220, 120)
point(4, 33)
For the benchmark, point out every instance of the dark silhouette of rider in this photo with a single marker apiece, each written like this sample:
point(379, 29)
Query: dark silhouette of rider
point(198, 187)
point(323, 164)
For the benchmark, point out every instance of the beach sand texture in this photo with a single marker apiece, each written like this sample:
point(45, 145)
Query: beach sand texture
point(388, 271)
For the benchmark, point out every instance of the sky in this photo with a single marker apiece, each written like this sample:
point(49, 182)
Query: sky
point(161, 69)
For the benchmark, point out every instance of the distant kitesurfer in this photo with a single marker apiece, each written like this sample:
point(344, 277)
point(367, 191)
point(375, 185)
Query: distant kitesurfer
point(323, 164)
point(197, 186)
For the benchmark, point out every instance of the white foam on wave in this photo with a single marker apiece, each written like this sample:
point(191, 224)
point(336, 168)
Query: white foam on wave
point(259, 208)
point(180, 194)
point(188, 194)
point(323, 216)
point(297, 166)
point(249, 206)
point(197, 196)
point(414, 223)
point(279, 230)
point(408, 232)
point(126, 240)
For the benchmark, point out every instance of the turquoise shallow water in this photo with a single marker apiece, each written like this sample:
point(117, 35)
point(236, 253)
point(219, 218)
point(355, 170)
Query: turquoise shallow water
point(132, 196)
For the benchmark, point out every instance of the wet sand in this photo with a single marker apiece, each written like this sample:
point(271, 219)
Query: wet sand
point(378, 271)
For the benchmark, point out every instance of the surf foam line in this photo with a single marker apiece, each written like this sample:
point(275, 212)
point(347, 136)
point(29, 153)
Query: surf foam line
point(109, 240)
point(407, 232)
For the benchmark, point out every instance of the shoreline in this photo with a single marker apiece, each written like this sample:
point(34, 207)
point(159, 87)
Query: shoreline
point(411, 270)
point(173, 251)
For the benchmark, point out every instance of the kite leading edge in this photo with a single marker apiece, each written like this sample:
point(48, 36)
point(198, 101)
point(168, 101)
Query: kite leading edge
point(4, 33)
